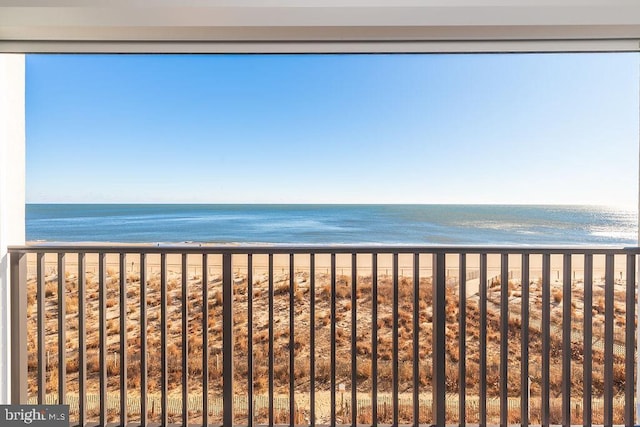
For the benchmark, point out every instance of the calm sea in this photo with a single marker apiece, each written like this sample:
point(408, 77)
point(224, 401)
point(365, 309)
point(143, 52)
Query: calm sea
point(324, 224)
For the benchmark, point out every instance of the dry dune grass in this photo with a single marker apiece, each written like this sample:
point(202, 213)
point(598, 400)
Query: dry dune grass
point(301, 339)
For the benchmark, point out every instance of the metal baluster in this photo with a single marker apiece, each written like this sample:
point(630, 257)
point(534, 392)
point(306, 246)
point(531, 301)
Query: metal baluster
point(143, 340)
point(312, 340)
point(185, 343)
point(395, 345)
point(566, 340)
point(439, 339)
point(587, 365)
point(333, 340)
point(630, 340)
point(102, 313)
point(62, 331)
point(524, 344)
point(374, 340)
point(164, 376)
point(608, 341)
point(416, 340)
point(292, 370)
point(82, 341)
point(354, 362)
point(227, 341)
point(546, 339)
point(250, 414)
point(504, 338)
point(483, 340)
point(205, 340)
point(271, 355)
point(42, 345)
point(123, 340)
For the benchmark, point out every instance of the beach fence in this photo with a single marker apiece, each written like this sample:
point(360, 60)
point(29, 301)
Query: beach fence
point(154, 401)
point(281, 404)
point(87, 317)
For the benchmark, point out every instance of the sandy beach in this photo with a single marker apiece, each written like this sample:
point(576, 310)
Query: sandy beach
point(343, 264)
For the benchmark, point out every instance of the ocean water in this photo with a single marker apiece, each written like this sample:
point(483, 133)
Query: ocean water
point(333, 224)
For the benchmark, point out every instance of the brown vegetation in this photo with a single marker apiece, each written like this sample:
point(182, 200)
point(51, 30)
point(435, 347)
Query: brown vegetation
point(302, 332)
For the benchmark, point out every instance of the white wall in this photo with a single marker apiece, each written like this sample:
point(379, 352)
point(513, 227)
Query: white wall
point(12, 192)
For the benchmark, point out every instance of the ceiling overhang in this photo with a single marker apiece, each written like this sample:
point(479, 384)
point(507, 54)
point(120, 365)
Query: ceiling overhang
point(318, 26)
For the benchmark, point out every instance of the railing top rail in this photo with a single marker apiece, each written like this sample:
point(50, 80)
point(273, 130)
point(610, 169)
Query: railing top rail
point(191, 248)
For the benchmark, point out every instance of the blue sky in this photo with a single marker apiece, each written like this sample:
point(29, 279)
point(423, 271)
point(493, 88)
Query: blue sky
point(475, 128)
